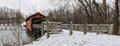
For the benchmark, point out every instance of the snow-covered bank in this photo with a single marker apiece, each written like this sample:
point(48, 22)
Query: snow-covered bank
point(77, 39)
point(9, 36)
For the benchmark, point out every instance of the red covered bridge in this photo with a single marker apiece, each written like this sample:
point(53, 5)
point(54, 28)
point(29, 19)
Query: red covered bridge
point(36, 18)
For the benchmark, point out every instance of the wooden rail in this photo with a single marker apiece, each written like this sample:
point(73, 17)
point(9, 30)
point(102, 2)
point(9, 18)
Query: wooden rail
point(106, 28)
point(54, 27)
point(58, 26)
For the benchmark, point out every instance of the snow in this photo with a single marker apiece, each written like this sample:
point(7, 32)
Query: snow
point(77, 39)
point(9, 35)
point(24, 23)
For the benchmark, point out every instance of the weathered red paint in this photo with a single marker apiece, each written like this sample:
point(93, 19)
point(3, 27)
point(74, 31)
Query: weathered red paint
point(28, 25)
point(29, 20)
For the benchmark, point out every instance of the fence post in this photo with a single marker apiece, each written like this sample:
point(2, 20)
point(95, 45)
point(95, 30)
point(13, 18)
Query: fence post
point(48, 34)
point(104, 27)
point(85, 29)
point(93, 28)
point(71, 28)
point(42, 29)
point(110, 29)
point(61, 27)
point(98, 29)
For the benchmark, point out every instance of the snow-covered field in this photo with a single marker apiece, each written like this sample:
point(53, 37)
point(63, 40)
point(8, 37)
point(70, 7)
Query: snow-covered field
point(77, 39)
point(9, 36)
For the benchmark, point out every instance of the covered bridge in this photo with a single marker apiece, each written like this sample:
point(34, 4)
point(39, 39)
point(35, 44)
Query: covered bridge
point(36, 18)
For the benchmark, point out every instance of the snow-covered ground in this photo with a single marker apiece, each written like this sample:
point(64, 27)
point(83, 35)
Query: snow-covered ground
point(77, 39)
point(9, 35)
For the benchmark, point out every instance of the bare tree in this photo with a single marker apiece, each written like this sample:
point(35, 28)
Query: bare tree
point(86, 12)
point(8, 15)
point(116, 18)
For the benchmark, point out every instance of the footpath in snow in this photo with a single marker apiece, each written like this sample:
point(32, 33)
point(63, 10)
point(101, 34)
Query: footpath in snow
point(77, 39)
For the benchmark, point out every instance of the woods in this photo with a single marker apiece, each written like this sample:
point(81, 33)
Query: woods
point(8, 15)
point(86, 12)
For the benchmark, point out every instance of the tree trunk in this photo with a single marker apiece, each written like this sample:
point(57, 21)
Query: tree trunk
point(93, 2)
point(104, 6)
point(105, 11)
point(116, 19)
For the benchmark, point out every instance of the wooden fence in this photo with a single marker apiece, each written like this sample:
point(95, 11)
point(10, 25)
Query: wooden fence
point(104, 28)
point(58, 26)
point(53, 26)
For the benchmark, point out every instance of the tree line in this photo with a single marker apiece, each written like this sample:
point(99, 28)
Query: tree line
point(86, 12)
point(8, 15)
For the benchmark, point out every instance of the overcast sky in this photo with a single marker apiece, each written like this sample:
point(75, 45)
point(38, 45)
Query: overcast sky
point(28, 6)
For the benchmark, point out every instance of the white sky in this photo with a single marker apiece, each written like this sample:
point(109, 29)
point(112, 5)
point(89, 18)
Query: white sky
point(28, 6)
